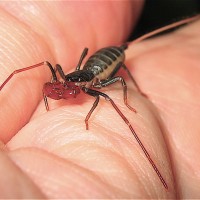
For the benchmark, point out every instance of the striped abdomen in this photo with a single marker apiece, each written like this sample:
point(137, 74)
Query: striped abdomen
point(104, 61)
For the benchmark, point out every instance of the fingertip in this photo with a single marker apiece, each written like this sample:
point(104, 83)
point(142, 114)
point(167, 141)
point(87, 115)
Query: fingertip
point(20, 48)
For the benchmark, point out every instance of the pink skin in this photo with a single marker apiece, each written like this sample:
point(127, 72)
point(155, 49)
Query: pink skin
point(50, 154)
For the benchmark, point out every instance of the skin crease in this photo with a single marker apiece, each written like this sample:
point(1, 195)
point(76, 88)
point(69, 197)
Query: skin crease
point(59, 156)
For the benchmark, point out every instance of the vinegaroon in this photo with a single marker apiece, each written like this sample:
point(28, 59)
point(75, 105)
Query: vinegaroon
point(99, 71)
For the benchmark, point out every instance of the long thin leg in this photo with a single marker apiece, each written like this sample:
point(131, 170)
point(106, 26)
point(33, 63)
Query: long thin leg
point(114, 80)
point(129, 74)
point(46, 102)
point(91, 111)
point(84, 53)
point(95, 93)
point(134, 82)
point(28, 68)
point(60, 71)
point(52, 70)
point(52, 78)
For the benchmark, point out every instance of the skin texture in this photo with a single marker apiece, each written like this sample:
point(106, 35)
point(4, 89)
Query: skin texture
point(50, 154)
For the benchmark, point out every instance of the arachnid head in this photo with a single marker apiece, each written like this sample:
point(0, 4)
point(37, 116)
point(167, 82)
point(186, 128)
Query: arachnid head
point(58, 90)
point(80, 76)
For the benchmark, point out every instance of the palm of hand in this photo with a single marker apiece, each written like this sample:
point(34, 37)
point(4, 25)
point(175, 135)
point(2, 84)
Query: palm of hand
point(65, 160)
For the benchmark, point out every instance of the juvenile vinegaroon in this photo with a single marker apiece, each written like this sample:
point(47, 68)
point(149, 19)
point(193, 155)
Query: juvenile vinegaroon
point(98, 71)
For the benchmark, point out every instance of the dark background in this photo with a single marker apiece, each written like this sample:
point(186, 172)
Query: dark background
point(158, 13)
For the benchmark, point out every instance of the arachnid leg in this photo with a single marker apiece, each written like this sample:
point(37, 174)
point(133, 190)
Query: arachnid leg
point(84, 53)
point(133, 80)
point(46, 102)
point(28, 68)
point(91, 111)
point(97, 94)
point(114, 80)
point(60, 71)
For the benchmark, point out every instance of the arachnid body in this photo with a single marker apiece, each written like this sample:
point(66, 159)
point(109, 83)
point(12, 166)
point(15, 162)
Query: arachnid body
point(98, 71)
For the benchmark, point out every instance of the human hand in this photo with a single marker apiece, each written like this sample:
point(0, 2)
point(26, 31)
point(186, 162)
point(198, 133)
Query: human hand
point(63, 159)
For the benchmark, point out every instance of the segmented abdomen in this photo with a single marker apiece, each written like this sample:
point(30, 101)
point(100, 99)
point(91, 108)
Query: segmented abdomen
point(103, 62)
